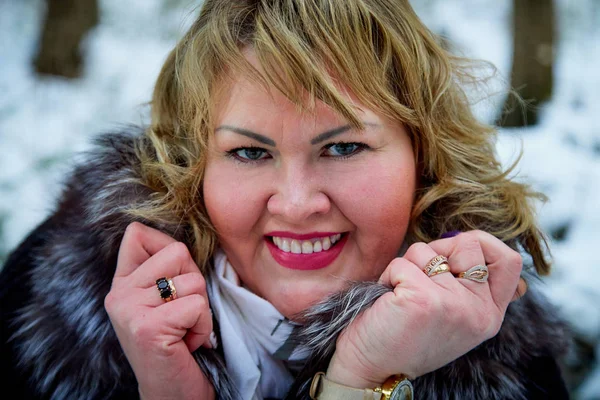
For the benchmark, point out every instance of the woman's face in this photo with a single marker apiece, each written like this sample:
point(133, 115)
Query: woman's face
point(303, 203)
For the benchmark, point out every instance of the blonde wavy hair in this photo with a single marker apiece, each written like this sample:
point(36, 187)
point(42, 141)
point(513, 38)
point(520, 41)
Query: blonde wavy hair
point(383, 53)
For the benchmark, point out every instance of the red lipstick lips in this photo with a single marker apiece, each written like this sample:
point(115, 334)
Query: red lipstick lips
point(305, 262)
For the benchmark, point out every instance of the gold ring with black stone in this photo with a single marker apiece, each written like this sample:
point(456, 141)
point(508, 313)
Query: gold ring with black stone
point(166, 289)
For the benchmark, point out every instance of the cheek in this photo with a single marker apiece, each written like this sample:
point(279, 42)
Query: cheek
point(234, 205)
point(379, 203)
point(383, 194)
point(392, 200)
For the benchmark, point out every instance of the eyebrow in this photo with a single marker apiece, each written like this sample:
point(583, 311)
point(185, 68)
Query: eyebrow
point(245, 132)
point(270, 142)
point(329, 134)
point(336, 131)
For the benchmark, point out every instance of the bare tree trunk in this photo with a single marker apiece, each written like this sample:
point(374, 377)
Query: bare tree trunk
point(533, 59)
point(67, 22)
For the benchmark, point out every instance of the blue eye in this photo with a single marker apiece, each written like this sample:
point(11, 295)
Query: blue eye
point(249, 154)
point(344, 149)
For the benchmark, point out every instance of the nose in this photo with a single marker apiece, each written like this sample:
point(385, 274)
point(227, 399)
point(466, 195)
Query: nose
point(298, 195)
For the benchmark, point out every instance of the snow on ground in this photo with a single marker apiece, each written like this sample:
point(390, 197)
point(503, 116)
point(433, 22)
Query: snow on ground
point(46, 121)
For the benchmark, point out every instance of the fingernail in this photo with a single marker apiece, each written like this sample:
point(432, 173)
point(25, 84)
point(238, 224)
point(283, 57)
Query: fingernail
point(449, 234)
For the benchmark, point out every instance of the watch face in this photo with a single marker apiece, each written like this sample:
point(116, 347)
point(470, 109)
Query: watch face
point(404, 391)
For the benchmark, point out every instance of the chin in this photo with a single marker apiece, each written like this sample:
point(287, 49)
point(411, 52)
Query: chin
point(291, 303)
point(294, 313)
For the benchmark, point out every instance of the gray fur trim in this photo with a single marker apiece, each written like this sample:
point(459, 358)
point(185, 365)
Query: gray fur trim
point(213, 366)
point(64, 337)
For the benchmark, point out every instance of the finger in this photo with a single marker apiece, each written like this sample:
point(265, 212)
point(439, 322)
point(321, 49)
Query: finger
point(465, 253)
point(504, 264)
point(191, 317)
point(401, 273)
point(139, 243)
point(521, 290)
point(171, 261)
point(185, 285)
point(420, 254)
point(493, 253)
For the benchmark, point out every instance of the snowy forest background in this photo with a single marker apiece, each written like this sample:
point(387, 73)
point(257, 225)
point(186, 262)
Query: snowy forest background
point(53, 100)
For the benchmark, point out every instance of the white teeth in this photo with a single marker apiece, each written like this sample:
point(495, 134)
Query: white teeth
point(317, 247)
point(306, 246)
point(296, 249)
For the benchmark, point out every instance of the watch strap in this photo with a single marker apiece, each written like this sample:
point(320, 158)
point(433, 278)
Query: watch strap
point(324, 389)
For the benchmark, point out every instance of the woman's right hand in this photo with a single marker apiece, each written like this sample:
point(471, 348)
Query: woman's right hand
point(427, 322)
point(158, 337)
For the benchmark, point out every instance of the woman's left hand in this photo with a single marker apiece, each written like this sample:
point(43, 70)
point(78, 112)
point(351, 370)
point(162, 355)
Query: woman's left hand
point(427, 322)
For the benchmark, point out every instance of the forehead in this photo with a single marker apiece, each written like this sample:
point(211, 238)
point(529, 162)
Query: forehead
point(244, 96)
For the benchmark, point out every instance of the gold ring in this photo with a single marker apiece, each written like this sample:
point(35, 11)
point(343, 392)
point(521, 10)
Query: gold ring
point(440, 269)
point(166, 288)
point(434, 263)
point(478, 273)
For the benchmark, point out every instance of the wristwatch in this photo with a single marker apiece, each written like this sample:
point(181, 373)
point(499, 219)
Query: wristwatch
point(396, 387)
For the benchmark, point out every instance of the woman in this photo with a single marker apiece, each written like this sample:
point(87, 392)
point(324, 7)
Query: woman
point(278, 225)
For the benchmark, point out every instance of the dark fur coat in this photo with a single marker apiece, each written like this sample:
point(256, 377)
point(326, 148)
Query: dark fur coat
point(57, 341)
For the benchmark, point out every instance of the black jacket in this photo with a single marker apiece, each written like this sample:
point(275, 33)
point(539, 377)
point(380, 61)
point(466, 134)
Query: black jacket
point(57, 341)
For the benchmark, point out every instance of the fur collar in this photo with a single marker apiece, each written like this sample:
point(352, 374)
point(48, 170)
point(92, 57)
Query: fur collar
point(66, 342)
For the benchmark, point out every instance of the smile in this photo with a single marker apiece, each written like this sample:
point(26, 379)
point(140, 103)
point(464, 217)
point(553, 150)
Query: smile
point(304, 253)
point(305, 246)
